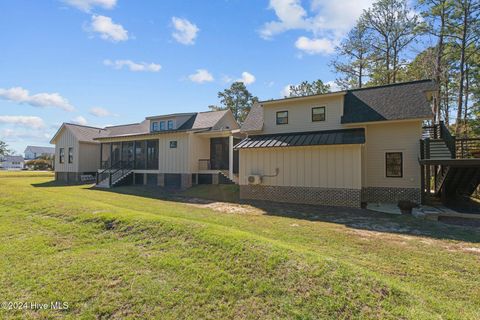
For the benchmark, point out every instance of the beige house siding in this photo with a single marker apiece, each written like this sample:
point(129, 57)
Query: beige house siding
point(66, 140)
point(392, 137)
point(88, 157)
point(199, 149)
point(173, 160)
point(300, 115)
point(316, 166)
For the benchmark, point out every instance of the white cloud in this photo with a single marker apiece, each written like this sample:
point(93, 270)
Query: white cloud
point(27, 121)
point(80, 120)
point(247, 78)
point(291, 15)
point(201, 76)
point(333, 86)
point(133, 66)
point(87, 5)
point(185, 31)
point(100, 112)
point(108, 29)
point(286, 91)
point(326, 19)
point(20, 95)
point(315, 46)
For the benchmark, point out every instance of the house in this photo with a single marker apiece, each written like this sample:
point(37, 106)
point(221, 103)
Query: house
point(34, 152)
point(12, 163)
point(175, 150)
point(341, 148)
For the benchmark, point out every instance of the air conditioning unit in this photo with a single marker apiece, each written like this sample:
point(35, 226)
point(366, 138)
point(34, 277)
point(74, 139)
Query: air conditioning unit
point(254, 179)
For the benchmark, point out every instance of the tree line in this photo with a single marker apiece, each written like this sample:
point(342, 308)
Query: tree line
point(377, 51)
point(394, 42)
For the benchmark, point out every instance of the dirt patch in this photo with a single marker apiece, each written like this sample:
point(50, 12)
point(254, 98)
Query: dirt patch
point(473, 250)
point(226, 207)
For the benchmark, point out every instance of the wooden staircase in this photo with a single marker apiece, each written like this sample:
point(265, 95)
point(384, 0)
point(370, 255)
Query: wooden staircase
point(452, 165)
point(114, 175)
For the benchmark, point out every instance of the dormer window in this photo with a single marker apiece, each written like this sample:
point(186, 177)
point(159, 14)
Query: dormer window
point(162, 125)
point(155, 126)
point(170, 124)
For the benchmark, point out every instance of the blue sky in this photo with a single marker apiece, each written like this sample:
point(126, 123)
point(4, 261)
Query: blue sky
point(104, 62)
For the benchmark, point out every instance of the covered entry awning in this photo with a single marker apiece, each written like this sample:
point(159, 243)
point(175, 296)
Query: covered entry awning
point(312, 138)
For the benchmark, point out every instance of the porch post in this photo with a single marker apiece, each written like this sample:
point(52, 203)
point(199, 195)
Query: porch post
point(230, 157)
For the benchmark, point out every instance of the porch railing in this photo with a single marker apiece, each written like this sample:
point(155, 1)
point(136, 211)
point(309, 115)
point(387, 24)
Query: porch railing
point(116, 171)
point(467, 148)
point(204, 164)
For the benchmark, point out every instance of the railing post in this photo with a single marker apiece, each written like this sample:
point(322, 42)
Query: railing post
point(427, 148)
point(422, 183)
point(109, 179)
point(422, 149)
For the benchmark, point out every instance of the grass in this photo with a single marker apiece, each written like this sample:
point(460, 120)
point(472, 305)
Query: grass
point(121, 255)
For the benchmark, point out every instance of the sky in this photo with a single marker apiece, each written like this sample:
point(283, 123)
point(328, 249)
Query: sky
point(108, 62)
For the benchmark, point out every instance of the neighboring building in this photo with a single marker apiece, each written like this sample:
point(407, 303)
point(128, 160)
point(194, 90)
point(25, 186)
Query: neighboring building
point(34, 152)
point(340, 148)
point(12, 163)
point(175, 150)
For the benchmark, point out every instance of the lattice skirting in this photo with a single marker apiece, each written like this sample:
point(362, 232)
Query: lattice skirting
point(307, 195)
point(389, 194)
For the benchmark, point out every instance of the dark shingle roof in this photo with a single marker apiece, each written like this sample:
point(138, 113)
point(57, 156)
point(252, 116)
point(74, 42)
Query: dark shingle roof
point(397, 101)
point(314, 138)
point(390, 102)
point(85, 133)
point(199, 120)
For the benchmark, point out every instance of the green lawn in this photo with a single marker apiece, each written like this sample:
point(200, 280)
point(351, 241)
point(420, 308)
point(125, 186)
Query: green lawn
point(120, 255)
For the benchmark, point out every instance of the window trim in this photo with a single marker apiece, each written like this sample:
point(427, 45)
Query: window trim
point(61, 155)
point(276, 117)
point(70, 159)
point(324, 113)
point(401, 164)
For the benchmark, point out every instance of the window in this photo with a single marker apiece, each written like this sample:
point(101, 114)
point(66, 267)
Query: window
point(70, 155)
point(170, 125)
point(173, 144)
point(162, 125)
point(61, 157)
point(394, 164)
point(155, 126)
point(318, 114)
point(282, 117)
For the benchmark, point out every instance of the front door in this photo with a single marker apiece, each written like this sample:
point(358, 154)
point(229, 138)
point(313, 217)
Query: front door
point(219, 153)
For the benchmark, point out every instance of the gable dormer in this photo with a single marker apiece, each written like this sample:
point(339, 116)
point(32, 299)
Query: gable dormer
point(168, 122)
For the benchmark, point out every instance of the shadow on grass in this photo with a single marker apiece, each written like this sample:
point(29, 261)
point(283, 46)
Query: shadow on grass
point(54, 183)
point(354, 218)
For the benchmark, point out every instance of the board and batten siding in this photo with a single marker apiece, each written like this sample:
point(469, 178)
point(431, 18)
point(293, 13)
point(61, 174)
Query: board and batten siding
point(66, 140)
point(313, 166)
point(199, 149)
point(402, 137)
point(300, 115)
point(88, 157)
point(173, 160)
